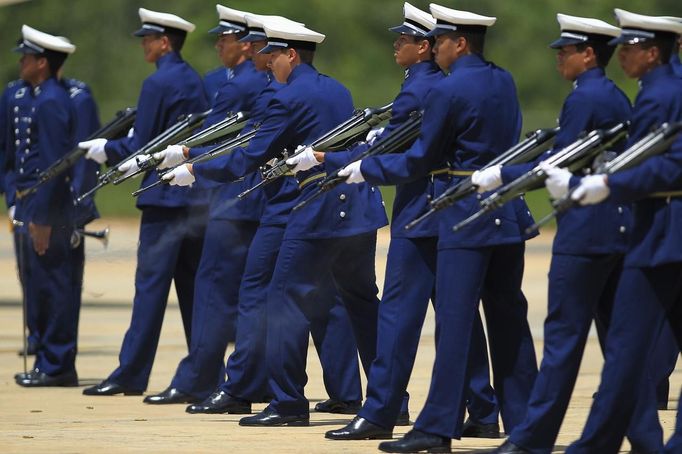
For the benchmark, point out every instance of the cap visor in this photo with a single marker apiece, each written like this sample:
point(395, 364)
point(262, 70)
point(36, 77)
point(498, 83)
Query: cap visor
point(405, 30)
point(622, 39)
point(561, 42)
point(223, 30)
point(438, 31)
point(144, 32)
point(251, 37)
point(23, 49)
point(269, 49)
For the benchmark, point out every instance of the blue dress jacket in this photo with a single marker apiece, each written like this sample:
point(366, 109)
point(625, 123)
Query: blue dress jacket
point(44, 133)
point(15, 104)
point(307, 107)
point(84, 173)
point(175, 89)
point(239, 93)
point(656, 238)
point(471, 116)
point(595, 103)
point(411, 199)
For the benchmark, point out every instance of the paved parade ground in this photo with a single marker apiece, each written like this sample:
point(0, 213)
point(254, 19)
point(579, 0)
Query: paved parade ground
point(62, 420)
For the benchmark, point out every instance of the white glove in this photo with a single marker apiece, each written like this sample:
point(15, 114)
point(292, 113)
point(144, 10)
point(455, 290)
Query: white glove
point(557, 180)
point(487, 179)
point(303, 161)
point(373, 135)
point(171, 156)
point(131, 132)
point(132, 165)
point(593, 189)
point(95, 149)
point(180, 176)
point(10, 212)
point(352, 171)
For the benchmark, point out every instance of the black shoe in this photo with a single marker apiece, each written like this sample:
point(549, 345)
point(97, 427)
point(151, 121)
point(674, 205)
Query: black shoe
point(403, 419)
point(31, 349)
point(472, 429)
point(360, 429)
point(23, 375)
point(170, 396)
point(221, 402)
point(416, 441)
point(351, 407)
point(109, 388)
point(269, 418)
point(36, 378)
point(508, 448)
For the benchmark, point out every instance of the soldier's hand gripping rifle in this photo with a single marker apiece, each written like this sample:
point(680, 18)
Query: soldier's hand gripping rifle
point(654, 143)
point(399, 138)
point(340, 137)
point(179, 131)
point(536, 143)
point(574, 156)
point(116, 128)
point(239, 141)
point(218, 132)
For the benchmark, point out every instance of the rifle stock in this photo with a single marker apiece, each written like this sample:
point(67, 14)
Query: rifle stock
point(123, 120)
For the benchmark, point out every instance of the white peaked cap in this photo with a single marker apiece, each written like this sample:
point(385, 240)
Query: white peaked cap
point(637, 28)
point(230, 21)
point(256, 22)
point(448, 20)
point(156, 22)
point(285, 34)
point(578, 30)
point(37, 42)
point(417, 22)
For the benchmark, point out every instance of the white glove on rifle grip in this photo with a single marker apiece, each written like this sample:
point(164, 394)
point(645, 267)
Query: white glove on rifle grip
point(557, 180)
point(352, 171)
point(373, 135)
point(180, 176)
point(171, 156)
point(487, 179)
point(132, 165)
point(95, 149)
point(303, 161)
point(593, 189)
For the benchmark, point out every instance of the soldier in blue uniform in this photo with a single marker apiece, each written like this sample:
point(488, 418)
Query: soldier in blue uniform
point(649, 286)
point(403, 307)
point(247, 376)
point(15, 101)
point(173, 219)
point(309, 105)
point(471, 116)
point(45, 132)
point(589, 245)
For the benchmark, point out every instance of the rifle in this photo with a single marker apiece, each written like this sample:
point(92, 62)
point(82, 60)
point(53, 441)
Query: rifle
point(536, 143)
point(117, 127)
point(654, 143)
point(175, 133)
point(399, 137)
point(338, 138)
point(574, 156)
point(223, 148)
point(214, 133)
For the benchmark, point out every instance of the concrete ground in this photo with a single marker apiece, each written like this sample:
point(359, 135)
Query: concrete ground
point(63, 420)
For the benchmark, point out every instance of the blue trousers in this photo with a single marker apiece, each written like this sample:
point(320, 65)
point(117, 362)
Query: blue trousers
point(214, 317)
point(170, 244)
point(22, 249)
point(493, 275)
point(296, 297)
point(643, 297)
point(51, 285)
point(580, 288)
point(246, 369)
point(409, 284)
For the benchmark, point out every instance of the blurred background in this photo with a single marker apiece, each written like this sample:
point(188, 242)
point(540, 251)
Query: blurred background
point(357, 51)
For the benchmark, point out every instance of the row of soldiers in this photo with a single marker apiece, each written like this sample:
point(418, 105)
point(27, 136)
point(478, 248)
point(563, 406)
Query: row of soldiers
point(284, 273)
